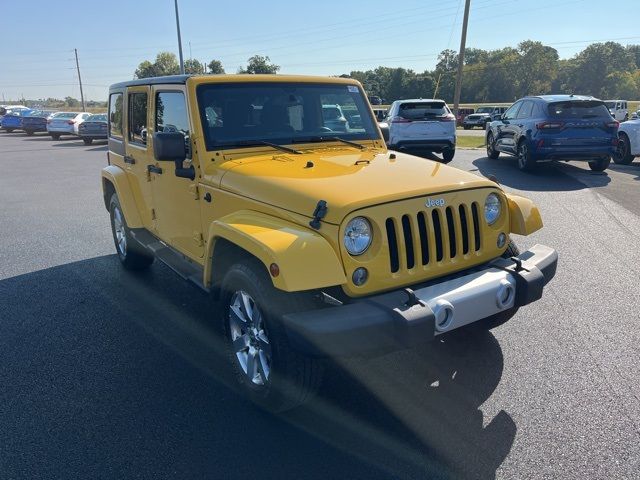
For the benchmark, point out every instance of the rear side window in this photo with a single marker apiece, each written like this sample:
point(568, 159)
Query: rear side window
point(138, 118)
point(115, 115)
point(526, 110)
point(171, 115)
point(416, 111)
point(578, 109)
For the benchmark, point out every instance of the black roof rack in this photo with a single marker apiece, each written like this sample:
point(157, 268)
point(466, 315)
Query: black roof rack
point(169, 79)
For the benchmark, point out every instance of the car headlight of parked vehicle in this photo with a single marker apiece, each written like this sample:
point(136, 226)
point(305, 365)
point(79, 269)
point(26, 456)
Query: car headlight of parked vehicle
point(492, 208)
point(357, 236)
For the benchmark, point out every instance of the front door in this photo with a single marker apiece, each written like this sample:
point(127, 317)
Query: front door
point(507, 130)
point(175, 199)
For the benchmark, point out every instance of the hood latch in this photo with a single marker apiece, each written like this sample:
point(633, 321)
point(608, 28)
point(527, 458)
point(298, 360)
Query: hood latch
point(318, 214)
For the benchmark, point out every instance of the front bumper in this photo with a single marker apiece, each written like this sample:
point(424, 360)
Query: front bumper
point(405, 318)
point(476, 122)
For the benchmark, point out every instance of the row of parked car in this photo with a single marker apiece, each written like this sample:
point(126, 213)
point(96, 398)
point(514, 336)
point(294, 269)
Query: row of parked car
point(534, 129)
point(87, 126)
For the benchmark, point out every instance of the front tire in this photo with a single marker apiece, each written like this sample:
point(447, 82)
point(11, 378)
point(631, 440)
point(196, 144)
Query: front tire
point(9, 130)
point(492, 153)
point(131, 255)
point(268, 370)
point(623, 153)
point(447, 155)
point(600, 165)
point(29, 132)
point(87, 141)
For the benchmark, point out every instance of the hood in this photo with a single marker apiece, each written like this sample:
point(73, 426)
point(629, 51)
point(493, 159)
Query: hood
point(346, 180)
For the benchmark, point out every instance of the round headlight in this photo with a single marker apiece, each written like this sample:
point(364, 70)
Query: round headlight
point(357, 236)
point(492, 208)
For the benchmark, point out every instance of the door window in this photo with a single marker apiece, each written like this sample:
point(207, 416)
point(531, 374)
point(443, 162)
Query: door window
point(138, 118)
point(115, 115)
point(512, 112)
point(171, 115)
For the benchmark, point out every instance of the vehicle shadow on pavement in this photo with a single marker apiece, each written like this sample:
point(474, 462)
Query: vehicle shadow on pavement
point(108, 371)
point(548, 177)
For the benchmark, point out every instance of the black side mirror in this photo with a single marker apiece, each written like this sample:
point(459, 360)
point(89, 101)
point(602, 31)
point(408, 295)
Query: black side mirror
point(384, 128)
point(169, 146)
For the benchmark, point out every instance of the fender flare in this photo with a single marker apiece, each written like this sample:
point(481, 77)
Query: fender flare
point(305, 259)
point(118, 178)
point(524, 216)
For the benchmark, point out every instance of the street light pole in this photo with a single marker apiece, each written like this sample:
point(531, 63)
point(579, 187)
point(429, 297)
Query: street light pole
point(463, 41)
point(179, 38)
point(79, 80)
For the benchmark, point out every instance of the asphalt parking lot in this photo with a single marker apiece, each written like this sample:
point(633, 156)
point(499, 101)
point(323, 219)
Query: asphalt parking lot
point(116, 375)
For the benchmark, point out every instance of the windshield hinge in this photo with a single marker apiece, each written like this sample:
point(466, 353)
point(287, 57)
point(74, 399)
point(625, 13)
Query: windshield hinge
point(318, 214)
point(193, 190)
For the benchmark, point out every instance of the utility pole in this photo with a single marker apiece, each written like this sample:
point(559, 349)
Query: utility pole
point(463, 41)
point(190, 56)
point(79, 79)
point(179, 39)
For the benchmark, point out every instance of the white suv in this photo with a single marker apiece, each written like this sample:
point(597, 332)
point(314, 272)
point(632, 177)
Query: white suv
point(619, 109)
point(422, 126)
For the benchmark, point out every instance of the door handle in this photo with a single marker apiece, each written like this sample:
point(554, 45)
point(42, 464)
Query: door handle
point(129, 160)
point(154, 169)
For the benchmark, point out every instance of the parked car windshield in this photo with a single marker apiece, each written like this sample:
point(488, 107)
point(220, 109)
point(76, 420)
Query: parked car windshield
point(485, 110)
point(282, 113)
point(578, 109)
point(65, 115)
point(418, 110)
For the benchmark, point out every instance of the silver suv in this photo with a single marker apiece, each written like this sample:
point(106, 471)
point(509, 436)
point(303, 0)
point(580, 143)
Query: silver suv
point(422, 126)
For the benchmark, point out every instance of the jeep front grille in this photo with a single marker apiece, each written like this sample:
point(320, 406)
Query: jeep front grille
point(438, 235)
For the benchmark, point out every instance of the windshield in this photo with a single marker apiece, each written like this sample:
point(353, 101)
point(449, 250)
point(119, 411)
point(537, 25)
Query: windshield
point(578, 109)
point(485, 110)
point(419, 110)
point(96, 118)
point(66, 115)
point(282, 113)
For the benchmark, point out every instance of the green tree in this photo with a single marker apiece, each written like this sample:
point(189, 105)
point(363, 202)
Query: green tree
point(71, 102)
point(260, 64)
point(537, 68)
point(193, 67)
point(215, 67)
point(592, 66)
point(166, 63)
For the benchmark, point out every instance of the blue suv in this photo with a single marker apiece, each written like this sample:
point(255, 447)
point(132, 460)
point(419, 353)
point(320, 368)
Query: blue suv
point(555, 127)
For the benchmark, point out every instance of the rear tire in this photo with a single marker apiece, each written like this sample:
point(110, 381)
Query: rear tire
point(600, 165)
point(466, 127)
point(87, 141)
point(29, 132)
point(623, 153)
point(268, 370)
point(55, 136)
point(492, 153)
point(525, 163)
point(447, 155)
point(131, 255)
point(9, 130)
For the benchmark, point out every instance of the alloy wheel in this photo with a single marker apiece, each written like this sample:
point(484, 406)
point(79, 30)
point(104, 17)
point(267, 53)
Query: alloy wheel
point(249, 338)
point(118, 226)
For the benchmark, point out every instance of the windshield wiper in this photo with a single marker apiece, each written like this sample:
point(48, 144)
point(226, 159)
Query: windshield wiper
point(328, 139)
point(253, 143)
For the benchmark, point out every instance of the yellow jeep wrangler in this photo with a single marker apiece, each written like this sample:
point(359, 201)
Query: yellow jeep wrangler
point(278, 196)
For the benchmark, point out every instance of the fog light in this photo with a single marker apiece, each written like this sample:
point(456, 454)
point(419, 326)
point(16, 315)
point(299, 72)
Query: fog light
point(502, 240)
point(359, 276)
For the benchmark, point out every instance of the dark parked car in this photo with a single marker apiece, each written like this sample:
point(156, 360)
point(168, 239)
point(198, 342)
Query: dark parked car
point(36, 121)
point(555, 127)
point(93, 128)
point(482, 116)
point(375, 100)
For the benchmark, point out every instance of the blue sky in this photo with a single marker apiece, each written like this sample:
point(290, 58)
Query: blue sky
point(325, 38)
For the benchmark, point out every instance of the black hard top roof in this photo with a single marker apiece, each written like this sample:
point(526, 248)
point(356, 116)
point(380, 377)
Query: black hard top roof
point(170, 79)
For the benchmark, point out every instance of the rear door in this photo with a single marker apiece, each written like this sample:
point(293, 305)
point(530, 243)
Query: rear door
point(136, 151)
point(422, 120)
